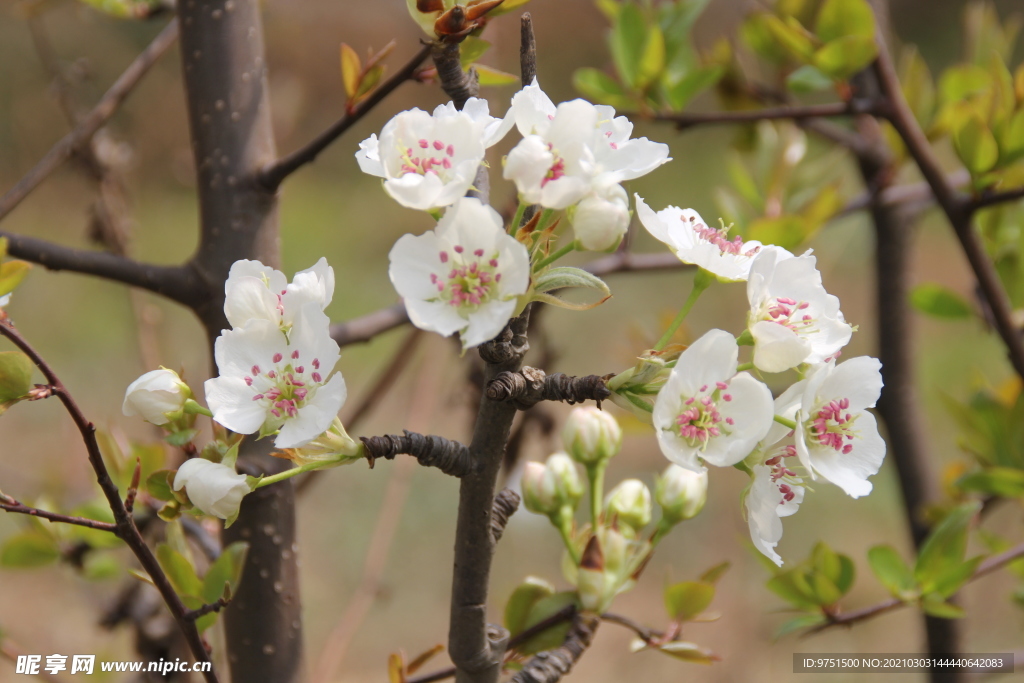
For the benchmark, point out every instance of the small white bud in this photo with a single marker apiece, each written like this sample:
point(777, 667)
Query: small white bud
point(155, 395)
point(630, 502)
point(591, 435)
point(681, 493)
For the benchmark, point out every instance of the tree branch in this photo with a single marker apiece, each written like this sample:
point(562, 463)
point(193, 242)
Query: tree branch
point(551, 665)
point(365, 328)
point(451, 457)
point(273, 175)
point(505, 505)
point(992, 198)
point(958, 208)
point(792, 113)
point(530, 386)
point(177, 283)
point(11, 505)
point(124, 523)
point(92, 121)
point(990, 565)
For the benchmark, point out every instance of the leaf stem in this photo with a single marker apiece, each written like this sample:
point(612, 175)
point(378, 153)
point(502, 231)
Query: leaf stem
point(551, 258)
point(700, 282)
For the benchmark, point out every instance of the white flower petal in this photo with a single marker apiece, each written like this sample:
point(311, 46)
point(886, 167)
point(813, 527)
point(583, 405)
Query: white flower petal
point(777, 348)
point(316, 416)
point(232, 404)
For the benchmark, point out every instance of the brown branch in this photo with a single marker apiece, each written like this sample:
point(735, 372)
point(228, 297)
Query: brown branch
point(11, 505)
point(124, 523)
point(92, 121)
point(273, 175)
point(178, 283)
point(551, 665)
point(208, 608)
point(958, 208)
point(505, 505)
point(986, 200)
point(646, 634)
point(530, 386)
point(792, 113)
point(988, 566)
point(365, 328)
point(451, 457)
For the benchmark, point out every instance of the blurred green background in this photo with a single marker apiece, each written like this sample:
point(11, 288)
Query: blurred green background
point(86, 328)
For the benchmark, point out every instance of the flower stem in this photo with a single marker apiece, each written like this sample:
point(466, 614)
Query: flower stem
point(744, 366)
point(288, 474)
point(700, 282)
point(660, 532)
point(785, 422)
point(517, 220)
point(191, 407)
point(551, 258)
point(595, 474)
point(565, 529)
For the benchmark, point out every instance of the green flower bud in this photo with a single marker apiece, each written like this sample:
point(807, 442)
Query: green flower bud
point(591, 435)
point(681, 493)
point(630, 502)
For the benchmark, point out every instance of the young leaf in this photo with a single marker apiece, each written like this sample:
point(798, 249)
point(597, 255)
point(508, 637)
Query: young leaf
point(601, 88)
point(565, 277)
point(11, 275)
point(715, 573)
point(652, 60)
point(181, 574)
point(976, 146)
point(472, 49)
point(808, 79)
point(800, 623)
point(543, 609)
point(522, 600)
point(891, 570)
point(950, 581)
point(688, 652)
point(945, 546)
point(687, 599)
point(839, 18)
point(939, 301)
point(225, 571)
point(15, 375)
point(489, 76)
point(935, 606)
point(694, 83)
point(628, 41)
point(29, 549)
point(845, 56)
point(1005, 482)
point(351, 67)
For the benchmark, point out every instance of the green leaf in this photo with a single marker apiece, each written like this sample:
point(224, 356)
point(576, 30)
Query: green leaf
point(847, 574)
point(100, 511)
point(787, 231)
point(472, 49)
point(918, 87)
point(840, 18)
point(692, 84)
point(715, 573)
point(1005, 482)
point(566, 276)
point(826, 561)
point(11, 275)
point(792, 586)
point(935, 606)
point(945, 546)
point(543, 609)
point(101, 566)
point(892, 571)
point(687, 599)
point(350, 70)
point(628, 40)
point(963, 81)
point(370, 80)
point(1012, 140)
point(609, 8)
point(845, 56)
point(489, 76)
point(800, 623)
point(506, 7)
point(652, 60)
point(976, 146)
point(225, 571)
point(936, 300)
point(29, 549)
point(793, 37)
point(688, 652)
point(950, 581)
point(15, 375)
point(204, 622)
point(159, 484)
point(178, 439)
point(807, 79)
point(757, 35)
point(601, 88)
point(522, 600)
point(825, 590)
point(181, 574)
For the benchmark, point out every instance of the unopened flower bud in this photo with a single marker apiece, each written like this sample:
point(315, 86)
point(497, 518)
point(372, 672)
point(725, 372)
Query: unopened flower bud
point(591, 435)
point(156, 395)
point(630, 502)
point(551, 488)
point(331, 449)
point(600, 220)
point(681, 493)
point(215, 489)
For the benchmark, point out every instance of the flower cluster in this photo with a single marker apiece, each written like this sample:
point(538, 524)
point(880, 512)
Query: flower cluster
point(470, 275)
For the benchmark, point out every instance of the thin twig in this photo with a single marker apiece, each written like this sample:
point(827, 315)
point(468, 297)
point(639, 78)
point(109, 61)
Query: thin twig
point(91, 122)
point(127, 531)
point(208, 608)
point(992, 198)
point(988, 566)
point(792, 113)
point(272, 176)
point(957, 207)
point(10, 505)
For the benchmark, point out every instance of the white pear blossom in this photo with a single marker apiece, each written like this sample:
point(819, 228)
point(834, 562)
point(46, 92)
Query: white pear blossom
point(569, 150)
point(255, 291)
point(215, 489)
point(772, 495)
point(154, 395)
point(681, 493)
point(269, 383)
point(836, 437)
point(706, 411)
point(464, 276)
point(792, 318)
point(427, 160)
point(630, 502)
point(591, 435)
point(601, 219)
point(693, 241)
